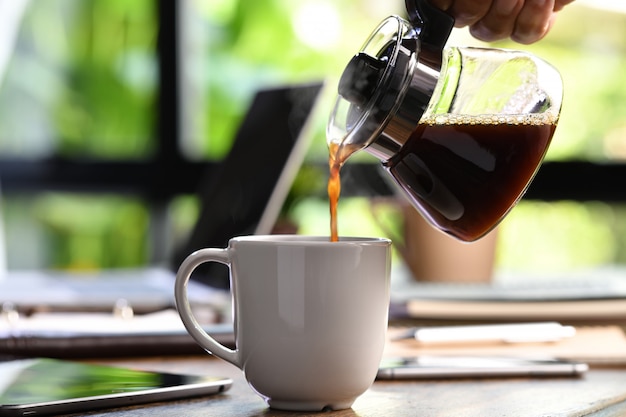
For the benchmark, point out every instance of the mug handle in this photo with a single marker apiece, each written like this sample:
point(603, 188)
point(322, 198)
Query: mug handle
point(184, 309)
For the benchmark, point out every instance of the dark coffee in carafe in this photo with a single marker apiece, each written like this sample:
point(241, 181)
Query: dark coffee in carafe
point(465, 173)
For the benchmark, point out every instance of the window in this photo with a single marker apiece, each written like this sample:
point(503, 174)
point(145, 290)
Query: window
point(110, 111)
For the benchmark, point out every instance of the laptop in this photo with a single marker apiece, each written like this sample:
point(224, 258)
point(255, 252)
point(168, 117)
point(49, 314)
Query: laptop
point(243, 196)
point(247, 193)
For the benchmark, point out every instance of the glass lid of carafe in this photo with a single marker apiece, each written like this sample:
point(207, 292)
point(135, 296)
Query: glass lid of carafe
point(386, 87)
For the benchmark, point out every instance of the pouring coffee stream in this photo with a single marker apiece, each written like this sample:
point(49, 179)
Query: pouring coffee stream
point(462, 131)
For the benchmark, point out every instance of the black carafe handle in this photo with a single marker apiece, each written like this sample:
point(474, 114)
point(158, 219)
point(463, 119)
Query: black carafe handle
point(433, 25)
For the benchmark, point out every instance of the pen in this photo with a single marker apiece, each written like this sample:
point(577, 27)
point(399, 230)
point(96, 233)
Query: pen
point(507, 333)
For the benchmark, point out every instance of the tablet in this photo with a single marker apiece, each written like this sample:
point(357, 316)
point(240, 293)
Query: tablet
point(50, 387)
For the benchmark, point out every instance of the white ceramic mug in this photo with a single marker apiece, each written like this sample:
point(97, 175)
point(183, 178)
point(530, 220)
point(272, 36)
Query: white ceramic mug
point(310, 315)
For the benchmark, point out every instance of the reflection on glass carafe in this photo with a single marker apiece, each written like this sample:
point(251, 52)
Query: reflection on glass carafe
point(461, 130)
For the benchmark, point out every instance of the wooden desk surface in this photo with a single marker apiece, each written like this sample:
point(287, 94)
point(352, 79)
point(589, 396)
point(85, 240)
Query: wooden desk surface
point(601, 392)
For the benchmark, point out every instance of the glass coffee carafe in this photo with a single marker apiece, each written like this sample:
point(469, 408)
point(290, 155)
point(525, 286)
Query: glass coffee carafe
point(461, 130)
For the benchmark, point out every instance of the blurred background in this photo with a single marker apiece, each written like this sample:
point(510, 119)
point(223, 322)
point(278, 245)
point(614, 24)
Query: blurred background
point(85, 100)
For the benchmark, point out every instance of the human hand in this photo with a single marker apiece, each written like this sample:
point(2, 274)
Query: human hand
point(524, 21)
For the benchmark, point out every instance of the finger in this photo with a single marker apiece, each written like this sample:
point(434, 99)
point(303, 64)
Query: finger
point(499, 22)
point(534, 21)
point(466, 13)
point(559, 4)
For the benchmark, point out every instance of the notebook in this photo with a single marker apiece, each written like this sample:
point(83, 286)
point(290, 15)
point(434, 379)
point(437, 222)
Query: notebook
point(244, 196)
point(592, 296)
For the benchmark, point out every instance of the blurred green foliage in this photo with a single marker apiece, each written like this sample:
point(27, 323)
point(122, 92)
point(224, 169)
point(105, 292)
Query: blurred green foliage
point(107, 109)
point(81, 81)
point(92, 232)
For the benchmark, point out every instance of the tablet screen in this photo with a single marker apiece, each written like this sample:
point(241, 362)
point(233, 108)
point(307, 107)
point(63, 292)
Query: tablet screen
point(49, 385)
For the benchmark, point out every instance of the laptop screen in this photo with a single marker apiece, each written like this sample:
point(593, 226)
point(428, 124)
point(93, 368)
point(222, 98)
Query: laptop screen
point(245, 194)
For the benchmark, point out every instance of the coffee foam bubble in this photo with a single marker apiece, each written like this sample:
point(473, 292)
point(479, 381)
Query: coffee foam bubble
point(534, 119)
